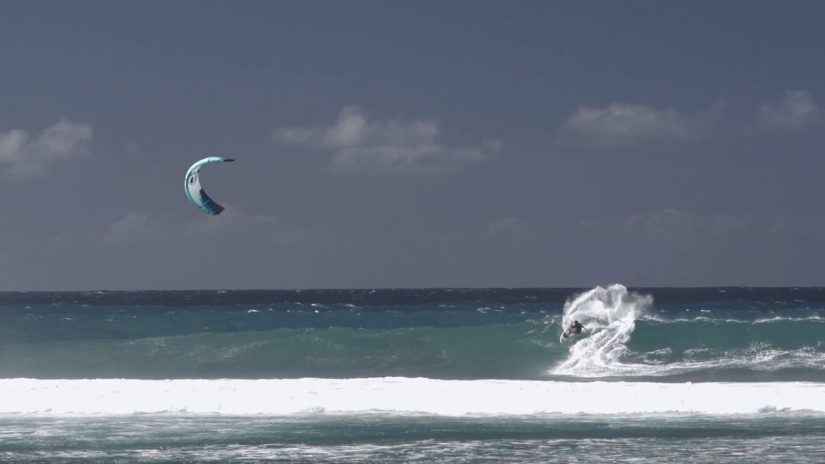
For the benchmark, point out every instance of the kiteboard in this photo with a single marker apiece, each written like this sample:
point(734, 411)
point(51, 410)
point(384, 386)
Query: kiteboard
point(567, 334)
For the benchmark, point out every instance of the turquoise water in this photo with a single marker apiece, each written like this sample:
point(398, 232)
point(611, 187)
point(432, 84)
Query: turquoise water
point(666, 375)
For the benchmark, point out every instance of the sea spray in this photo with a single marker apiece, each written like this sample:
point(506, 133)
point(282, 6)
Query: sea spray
point(609, 317)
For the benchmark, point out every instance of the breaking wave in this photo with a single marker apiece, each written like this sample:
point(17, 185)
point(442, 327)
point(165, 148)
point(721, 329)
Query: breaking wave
point(401, 396)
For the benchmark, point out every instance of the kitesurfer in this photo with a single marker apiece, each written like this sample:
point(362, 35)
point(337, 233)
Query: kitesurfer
point(576, 327)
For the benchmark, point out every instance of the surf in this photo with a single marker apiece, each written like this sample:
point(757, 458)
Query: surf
point(400, 396)
point(682, 335)
point(609, 318)
point(702, 347)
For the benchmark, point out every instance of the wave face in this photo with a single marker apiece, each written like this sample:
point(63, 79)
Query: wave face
point(660, 335)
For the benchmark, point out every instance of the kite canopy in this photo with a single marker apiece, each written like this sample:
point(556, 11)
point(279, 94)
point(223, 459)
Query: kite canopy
point(195, 192)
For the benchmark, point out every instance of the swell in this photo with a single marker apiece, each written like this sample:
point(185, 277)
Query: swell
point(82, 322)
point(628, 336)
point(482, 351)
point(778, 350)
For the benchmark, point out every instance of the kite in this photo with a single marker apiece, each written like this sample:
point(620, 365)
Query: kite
point(195, 192)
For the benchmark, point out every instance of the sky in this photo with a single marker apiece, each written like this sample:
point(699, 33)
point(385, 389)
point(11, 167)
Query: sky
point(388, 144)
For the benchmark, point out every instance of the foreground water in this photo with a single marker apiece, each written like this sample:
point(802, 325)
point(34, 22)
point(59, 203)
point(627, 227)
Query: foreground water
point(390, 438)
point(666, 375)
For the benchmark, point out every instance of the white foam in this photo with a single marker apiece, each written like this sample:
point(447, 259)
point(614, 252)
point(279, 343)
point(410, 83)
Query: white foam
point(398, 395)
point(661, 320)
point(789, 319)
point(758, 357)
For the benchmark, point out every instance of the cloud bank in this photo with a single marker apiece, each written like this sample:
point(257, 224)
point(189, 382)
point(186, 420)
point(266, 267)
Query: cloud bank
point(796, 110)
point(622, 123)
point(626, 124)
point(397, 146)
point(24, 156)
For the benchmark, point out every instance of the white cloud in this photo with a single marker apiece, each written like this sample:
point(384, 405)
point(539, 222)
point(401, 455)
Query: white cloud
point(233, 250)
point(133, 227)
point(23, 156)
point(797, 109)
point(622, 123)
point(397, 146)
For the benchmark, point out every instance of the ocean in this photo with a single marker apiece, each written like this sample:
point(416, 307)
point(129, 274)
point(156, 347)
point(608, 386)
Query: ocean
point(414, 375)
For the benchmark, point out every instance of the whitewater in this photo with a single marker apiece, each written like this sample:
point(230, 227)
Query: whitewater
point(399, 395)
point(479, 375)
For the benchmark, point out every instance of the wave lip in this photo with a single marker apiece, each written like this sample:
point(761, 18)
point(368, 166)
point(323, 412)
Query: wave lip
point(400, 395)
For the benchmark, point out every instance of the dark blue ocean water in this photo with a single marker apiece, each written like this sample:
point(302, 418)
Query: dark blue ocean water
point(470, 375)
